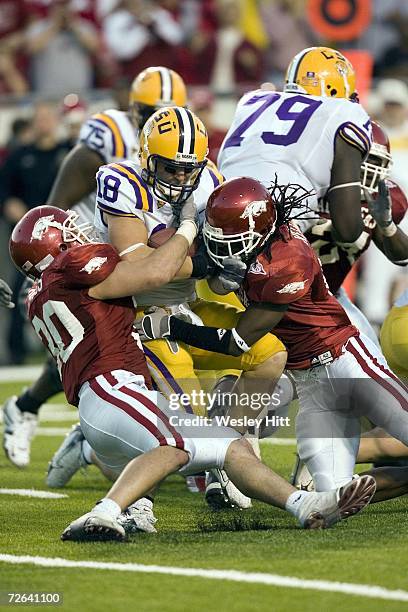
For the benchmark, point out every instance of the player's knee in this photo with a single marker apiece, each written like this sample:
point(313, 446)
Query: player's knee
point(178, 458)
point(239, 450)
point(272, 367)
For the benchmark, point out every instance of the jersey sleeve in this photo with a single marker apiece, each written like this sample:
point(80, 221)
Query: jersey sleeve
point(88, 265)
point(355, 127)
point(287, 284)
point(122, 192)
point(101, 134)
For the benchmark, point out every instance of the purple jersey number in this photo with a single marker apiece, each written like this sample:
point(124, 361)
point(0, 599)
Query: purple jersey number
point(284, 112)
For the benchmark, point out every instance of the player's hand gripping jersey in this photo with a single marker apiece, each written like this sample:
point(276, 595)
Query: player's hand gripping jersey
point(336, 260)
point(315, 327)
point(292, 135)
point(123, 192)
point(69, 322)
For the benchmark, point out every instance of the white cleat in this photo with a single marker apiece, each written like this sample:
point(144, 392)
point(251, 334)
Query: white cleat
point(19, 430)
point(67, 460)
point(221, 493)
point(138, 517)
point(94, 527)
point(322, 510)
point(301, 478)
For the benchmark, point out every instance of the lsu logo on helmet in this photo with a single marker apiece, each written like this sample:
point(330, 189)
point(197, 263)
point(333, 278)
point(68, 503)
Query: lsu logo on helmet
point(321, 71)
point(173, 149)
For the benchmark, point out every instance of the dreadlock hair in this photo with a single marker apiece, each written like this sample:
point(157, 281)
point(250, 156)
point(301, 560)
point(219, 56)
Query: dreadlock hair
point(287, 198)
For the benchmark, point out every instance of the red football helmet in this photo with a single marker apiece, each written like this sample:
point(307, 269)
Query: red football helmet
point(378, 164)
point(42, 234)
point(240, 217)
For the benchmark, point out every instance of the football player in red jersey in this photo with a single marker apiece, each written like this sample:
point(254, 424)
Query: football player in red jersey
point(339, 374)
point(380, 221)
point(80, 310)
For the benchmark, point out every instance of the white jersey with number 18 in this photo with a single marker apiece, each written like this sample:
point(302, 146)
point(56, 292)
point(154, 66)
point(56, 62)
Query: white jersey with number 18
point(292, 135)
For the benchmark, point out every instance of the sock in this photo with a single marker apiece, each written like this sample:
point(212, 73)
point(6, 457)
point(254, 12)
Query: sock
point(108, 506)
point(87, 452)
point(294, 502)
point(27, 403)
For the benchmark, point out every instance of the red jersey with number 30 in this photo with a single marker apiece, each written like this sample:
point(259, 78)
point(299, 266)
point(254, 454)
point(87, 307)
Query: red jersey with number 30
point(87, 337)
point(314, 327)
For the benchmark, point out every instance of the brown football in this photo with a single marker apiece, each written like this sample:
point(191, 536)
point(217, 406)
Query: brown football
point(162, 236)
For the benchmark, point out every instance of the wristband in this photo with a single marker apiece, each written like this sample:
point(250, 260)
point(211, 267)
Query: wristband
point(188, 230)
point(390, 230)
point(240, 342)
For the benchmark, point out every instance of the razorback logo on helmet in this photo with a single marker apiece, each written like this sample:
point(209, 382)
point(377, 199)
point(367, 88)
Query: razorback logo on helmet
point(292, 287)
point(94, 264)
point(254, 209)
point(42, 225)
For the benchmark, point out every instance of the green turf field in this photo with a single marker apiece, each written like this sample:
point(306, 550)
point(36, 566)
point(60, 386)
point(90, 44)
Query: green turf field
point(371, 549)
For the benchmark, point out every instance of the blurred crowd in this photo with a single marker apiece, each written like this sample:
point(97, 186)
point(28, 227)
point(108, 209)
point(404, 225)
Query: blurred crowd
point(55, 55)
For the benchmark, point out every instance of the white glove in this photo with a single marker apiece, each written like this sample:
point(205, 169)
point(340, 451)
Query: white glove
point(5, 295)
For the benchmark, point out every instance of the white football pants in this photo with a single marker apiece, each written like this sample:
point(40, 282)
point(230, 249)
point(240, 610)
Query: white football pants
point(333, 398)
point(121, 419)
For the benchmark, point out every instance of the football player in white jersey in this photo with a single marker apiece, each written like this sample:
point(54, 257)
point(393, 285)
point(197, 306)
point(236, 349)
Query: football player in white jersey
point(314, 133)
point(105, 137)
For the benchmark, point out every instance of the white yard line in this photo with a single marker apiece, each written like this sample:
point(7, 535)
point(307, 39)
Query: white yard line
point(32, 493)
point(363, 590)
point(20, 373)
point(279, 441)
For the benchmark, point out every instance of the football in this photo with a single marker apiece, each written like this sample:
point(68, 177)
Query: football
point(162, 236)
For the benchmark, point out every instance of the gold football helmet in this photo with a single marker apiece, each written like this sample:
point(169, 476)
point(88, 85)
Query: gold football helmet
point(173, 149)
point(154, 88)
point(321, 71)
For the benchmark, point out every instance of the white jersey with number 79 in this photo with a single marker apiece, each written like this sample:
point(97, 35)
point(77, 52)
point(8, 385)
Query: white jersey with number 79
point(292, 135)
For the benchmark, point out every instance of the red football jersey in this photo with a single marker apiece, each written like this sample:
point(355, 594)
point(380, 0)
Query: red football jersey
point(87, 337)
point(314, 327)
point(338, 261)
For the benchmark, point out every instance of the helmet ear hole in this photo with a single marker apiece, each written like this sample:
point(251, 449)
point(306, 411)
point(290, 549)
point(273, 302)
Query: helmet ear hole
point(333, 93)
point(63, 246)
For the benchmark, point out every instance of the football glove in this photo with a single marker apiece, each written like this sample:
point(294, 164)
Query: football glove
point(232, 274)
point(5, 295)
point(381, 208)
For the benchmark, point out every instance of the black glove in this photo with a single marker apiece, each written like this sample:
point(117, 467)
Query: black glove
point(203, 265)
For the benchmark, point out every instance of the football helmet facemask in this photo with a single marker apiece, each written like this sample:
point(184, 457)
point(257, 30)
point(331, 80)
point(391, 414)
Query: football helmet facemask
point(378, 164)
point(321, 71)
point(239, 218)
point(154, 88)
point(173, 149)
point(42, 234)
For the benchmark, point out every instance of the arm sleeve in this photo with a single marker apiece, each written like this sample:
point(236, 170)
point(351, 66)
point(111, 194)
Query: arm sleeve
point(88, 265)
point(122, 192)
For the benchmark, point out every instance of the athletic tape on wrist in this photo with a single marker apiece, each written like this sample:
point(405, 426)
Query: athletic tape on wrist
point(390, 230)
point(188, 229)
